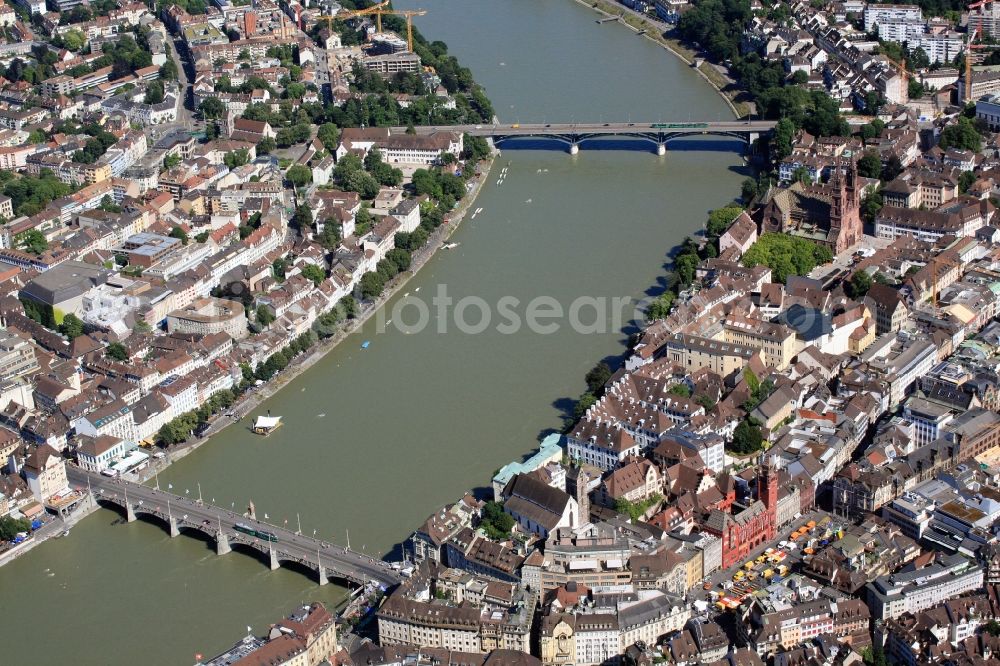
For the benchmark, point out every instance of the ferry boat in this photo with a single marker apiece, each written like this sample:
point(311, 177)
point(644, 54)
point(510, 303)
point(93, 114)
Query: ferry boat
point(265, 425)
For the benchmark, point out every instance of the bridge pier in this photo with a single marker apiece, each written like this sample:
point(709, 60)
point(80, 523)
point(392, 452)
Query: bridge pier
point(274, 558)
point(321, 575)
point(129, 513)
point(661, 148)
point(222, 543)
point(574, 148)
point(174, 531)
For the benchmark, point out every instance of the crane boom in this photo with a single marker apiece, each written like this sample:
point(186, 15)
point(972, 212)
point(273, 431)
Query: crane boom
point(379, 10)
point(354, 13)
point(409, 14)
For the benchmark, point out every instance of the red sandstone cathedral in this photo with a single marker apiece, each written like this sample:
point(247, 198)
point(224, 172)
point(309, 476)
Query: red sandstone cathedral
point(828, 214)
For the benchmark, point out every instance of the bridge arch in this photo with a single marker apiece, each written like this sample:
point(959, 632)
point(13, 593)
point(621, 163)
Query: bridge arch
point(658, 139)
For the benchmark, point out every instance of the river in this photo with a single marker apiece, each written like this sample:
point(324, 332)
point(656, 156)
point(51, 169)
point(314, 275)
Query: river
point(375, 440)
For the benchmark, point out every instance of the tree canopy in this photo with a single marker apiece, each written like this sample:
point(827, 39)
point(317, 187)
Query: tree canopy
point(786, 255)
point(962, 135)
point(720, 219)
point(71, 326)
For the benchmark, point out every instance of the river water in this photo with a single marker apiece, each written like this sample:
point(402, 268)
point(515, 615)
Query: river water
point(375, 440)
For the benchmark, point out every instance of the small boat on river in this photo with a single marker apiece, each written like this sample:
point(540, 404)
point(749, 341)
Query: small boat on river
point(265, 425)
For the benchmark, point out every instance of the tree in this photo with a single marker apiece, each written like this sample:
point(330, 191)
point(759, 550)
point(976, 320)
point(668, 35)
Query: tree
point(962, 135)
point(870, 207)
point(683, 390)
point(748, 190)
point(211, 108)
point(496, 523)
point(154, 93)
point(299, 175)
point(873, 103)
point(965, 181)
point(74, 40)
point(364, 184)
point(32, 241)
point(314, 273)
point(329, 135)
point(786, 255)
point(264, 316)
point(720, 219)
point(371, 285)
point(475, 148)
point(747, 437)
point(363, 221)
point(597, 377)
point(801, 175)
point(37, 136)
point(918, 59)
point(660, 308)
point(10, 526)
point(168, 70)
point(236, 158)
point(116, 351)
point(179, 233)
point(636, 510)
point(303, 217)
point(266, 145)
point(278, 268)
point(71, 326)
point(858, 285)
point(781, 139)
point(329, 236)
point(874, 657)
point(892, 168)
point(400, 258)
point(870, 164)
point(685, 266)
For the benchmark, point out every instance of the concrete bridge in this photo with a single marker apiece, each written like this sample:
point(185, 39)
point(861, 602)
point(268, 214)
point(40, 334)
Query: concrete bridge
point(181, 514)
point(572, 134)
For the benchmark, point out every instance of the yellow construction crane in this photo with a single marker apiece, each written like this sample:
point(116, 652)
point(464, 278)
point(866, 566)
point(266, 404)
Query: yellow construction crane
point(378, 10)
point(409, 14)
point(374, 9)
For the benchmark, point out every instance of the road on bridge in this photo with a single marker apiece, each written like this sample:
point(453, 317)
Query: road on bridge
point(563, 129)
point(337, 561)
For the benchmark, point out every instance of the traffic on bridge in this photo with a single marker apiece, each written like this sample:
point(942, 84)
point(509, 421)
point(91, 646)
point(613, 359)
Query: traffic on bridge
point(226, 527)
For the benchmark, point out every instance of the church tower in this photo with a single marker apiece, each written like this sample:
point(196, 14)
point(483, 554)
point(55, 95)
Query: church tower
point(582, 498)
point(846, 228)
point(767, 485)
